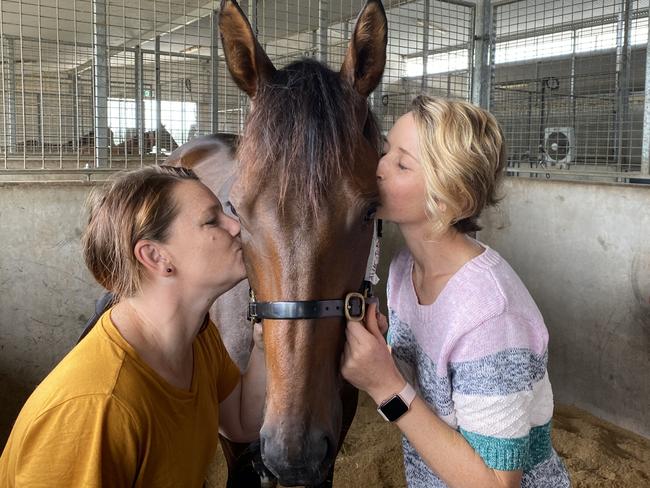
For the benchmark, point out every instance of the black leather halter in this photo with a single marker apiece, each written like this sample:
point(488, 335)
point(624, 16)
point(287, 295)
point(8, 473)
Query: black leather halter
point(352, 307)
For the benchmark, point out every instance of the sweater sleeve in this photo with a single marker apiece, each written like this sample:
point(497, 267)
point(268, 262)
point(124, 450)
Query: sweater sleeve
point(88, 441)
point(501, 393)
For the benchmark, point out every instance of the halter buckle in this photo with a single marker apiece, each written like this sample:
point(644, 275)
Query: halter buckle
point(251, 310)
point(354, 306)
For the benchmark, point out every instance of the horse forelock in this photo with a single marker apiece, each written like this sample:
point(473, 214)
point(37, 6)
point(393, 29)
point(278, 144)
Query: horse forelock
point(302, 133)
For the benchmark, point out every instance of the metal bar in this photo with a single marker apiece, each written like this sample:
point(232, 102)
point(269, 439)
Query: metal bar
point(480, 46)
point(252, 15)
point(6, 146)
point(100, 83)
point(75, 88)
point(39, 125)
point(41, 119)
point(323, 24)
point(425, 44)
point(158, 99)
point(645, 149)
point(623, 55)
point(139, 101)
point(487, 57)
point(573, 81)
point(440, 50)
point(143, 114)
point(58, 84)
point(552, 171)
point(214, 71)
point(9, 60)
point(74, 92)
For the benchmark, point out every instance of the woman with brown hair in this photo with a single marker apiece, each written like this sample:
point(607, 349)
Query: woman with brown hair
point(141, 399)
point(466, 382)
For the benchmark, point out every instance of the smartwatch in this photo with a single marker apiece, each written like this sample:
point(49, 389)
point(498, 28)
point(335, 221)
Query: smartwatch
point(397, 405)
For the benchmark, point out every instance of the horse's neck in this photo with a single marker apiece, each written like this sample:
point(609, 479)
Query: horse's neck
point(229, 313)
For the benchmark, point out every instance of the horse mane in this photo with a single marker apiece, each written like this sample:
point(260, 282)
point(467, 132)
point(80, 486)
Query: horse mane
point(303, 132)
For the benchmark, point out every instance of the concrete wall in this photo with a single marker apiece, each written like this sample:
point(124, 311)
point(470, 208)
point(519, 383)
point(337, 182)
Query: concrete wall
point(583, 250)
point(46, 293)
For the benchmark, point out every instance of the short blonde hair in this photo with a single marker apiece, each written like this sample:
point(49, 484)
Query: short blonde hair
point(135, 205)
point(463, 154)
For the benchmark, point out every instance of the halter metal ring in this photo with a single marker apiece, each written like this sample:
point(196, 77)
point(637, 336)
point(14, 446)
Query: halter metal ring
point(350, 305)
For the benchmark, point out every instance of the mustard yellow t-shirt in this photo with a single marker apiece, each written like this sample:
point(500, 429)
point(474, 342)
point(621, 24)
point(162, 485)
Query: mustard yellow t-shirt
point(104, 418)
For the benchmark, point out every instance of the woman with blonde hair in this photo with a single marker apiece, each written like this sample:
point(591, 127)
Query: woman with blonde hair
point(465, 376)
point(141, 399)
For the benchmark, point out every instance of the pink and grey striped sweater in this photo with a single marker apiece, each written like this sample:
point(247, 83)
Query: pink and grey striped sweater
point(477, 356)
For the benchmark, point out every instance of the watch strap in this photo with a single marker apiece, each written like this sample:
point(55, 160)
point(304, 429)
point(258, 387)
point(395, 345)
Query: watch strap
point(407, 394)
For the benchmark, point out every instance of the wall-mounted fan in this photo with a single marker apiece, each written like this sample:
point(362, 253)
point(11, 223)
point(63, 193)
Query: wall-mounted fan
point(559, 146)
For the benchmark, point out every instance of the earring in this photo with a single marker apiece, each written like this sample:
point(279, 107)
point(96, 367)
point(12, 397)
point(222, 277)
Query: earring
point(169, 270)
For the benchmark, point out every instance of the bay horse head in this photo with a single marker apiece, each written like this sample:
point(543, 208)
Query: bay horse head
point(305, 194)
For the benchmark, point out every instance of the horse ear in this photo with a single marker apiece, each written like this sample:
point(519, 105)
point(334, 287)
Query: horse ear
point(364, 62)
point(247, 62)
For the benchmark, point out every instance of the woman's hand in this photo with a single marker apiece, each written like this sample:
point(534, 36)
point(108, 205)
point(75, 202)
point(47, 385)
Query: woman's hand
point(367, 362)
point(382, 321)
point(258, 335)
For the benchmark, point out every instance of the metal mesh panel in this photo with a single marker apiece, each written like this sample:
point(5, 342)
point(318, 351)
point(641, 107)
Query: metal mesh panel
point(118, 83)
point(103, 84)
point(429, 52)
point(568, 85)
point(290, 30)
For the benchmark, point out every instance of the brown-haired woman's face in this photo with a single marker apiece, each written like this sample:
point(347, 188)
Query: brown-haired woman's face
point(203, 246)
point(400, 177)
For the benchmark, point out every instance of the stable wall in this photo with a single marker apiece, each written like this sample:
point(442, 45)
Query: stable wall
point(46, 293)
point(583, 251)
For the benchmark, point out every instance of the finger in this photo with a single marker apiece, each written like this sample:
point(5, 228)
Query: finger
point(354, 333)
point(371, 300)
point(382, 321)
point(371, 322)
point(360, 335)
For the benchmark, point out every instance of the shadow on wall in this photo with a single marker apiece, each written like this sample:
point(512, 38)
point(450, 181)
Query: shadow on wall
point(13, 394)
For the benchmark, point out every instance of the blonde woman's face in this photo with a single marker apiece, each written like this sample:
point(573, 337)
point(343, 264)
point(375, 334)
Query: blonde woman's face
point(400, 177)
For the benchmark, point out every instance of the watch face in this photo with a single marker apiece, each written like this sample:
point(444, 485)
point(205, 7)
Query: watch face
point(394, 408)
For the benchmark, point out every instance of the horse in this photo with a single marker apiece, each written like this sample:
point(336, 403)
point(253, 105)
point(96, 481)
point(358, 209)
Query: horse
point(85, 145)
point(150, 139)
point(305, 191)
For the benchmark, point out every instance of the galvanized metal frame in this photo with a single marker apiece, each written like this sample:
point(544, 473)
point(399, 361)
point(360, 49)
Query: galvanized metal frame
point(645, 151)
point(482, 70)
point(100, 84)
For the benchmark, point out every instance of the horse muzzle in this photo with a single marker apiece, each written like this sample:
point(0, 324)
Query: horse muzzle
point(297, 458)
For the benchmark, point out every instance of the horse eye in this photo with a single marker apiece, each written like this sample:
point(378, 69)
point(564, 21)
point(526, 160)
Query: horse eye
point(370, 214)
point(231, 209)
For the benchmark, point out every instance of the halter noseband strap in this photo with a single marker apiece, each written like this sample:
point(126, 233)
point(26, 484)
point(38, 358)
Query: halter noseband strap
point(353, 307)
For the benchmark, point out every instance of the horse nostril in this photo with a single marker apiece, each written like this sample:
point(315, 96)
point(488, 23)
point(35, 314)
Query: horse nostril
point(321, 447)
